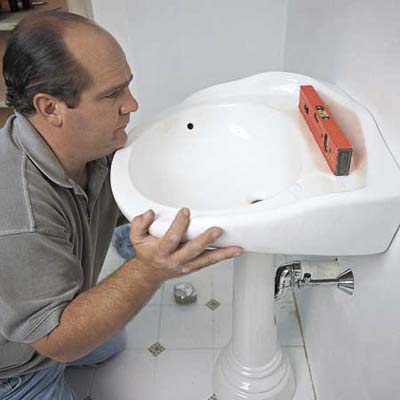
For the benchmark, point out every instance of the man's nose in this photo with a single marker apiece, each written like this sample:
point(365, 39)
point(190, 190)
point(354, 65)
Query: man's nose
point(129, 105)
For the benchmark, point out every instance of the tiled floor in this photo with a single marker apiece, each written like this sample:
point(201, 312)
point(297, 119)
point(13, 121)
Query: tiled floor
point(192, 336)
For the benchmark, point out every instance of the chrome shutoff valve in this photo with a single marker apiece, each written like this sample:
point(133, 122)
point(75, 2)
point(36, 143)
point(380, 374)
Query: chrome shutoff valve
point(291, 275)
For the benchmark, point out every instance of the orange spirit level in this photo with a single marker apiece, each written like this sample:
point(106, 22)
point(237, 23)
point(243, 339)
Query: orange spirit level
point(332, 142)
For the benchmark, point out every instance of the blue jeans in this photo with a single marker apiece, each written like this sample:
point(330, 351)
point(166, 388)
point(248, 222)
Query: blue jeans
point(49, 383)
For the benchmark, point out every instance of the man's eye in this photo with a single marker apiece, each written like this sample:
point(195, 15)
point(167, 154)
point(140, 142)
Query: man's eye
point(113, 94)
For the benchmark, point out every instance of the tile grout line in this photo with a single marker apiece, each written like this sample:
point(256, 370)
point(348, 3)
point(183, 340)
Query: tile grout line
point(213, 332)
point(185, 348)
point(304, 345)
point(212, 314)
point(159, 331)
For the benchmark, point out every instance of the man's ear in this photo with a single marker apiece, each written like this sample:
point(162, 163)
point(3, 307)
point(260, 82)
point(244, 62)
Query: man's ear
point(49, 108)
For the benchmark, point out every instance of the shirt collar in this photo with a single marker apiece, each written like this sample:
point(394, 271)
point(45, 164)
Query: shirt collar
point(42, 155)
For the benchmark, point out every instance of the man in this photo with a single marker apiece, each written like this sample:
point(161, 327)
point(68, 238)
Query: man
point(67, 80)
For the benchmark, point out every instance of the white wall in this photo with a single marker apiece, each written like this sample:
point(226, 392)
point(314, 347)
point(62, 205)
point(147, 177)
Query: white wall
point(177, 47)
point(353, 342)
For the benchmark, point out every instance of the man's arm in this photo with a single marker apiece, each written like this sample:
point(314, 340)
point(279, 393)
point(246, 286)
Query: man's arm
point(98, 313)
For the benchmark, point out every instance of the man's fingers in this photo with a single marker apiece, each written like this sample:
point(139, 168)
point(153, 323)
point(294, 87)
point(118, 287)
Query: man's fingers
point(193, 248)
point(209, 257)
point(170, 241)
point(140, 226)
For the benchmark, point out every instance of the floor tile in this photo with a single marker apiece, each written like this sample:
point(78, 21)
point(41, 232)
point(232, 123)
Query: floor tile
point(143, 329)
point(186, 326)
point(183, 375)
point(128, 376)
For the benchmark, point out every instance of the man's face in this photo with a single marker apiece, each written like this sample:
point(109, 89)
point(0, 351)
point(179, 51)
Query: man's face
point(96, 126)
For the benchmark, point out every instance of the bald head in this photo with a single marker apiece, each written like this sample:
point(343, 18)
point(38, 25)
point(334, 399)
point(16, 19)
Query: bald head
point(45, 54)
point(95, 49)
point(57, 20)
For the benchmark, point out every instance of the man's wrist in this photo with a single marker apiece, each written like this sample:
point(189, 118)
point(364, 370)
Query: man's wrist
point(145, 272)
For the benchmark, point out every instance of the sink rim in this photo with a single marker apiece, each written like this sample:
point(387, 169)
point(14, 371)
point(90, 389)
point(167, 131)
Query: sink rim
point(291, 194)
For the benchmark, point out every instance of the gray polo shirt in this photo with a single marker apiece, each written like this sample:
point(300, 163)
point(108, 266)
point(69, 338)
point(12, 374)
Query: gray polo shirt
point(54, 237)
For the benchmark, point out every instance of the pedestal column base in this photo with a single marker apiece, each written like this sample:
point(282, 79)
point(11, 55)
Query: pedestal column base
point(253, 365)
point(274, 381)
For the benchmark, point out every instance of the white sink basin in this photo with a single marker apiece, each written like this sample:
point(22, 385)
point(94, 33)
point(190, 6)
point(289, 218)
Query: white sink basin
point(233, 144)
point(226, 153)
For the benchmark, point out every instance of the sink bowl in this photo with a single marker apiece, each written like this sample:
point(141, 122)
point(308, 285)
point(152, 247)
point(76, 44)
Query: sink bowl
point(241, 157)
point(230, 150)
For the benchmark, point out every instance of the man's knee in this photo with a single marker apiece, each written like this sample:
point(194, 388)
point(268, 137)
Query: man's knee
point(115, 345)
point(121, 340)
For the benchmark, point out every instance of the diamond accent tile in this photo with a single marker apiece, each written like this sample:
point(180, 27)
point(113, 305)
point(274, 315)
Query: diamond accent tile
point(156, 349)
point(213, 304)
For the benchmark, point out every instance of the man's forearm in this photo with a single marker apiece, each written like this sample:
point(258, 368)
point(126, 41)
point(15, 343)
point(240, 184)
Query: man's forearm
point(98, 313)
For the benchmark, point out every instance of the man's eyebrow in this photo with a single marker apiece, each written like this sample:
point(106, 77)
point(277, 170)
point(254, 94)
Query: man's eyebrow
point(116, 87)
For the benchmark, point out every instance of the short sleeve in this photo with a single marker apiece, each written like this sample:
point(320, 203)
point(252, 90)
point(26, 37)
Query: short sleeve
point(39, 276)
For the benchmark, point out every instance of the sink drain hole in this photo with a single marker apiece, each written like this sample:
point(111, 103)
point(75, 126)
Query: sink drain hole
point(255, 198)
point(256, 201)
point(190, 126)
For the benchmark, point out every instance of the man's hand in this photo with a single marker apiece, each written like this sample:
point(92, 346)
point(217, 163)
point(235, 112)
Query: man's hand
point(167, 257)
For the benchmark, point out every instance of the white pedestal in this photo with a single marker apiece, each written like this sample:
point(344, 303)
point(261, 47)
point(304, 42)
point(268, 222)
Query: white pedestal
point(252, 366)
